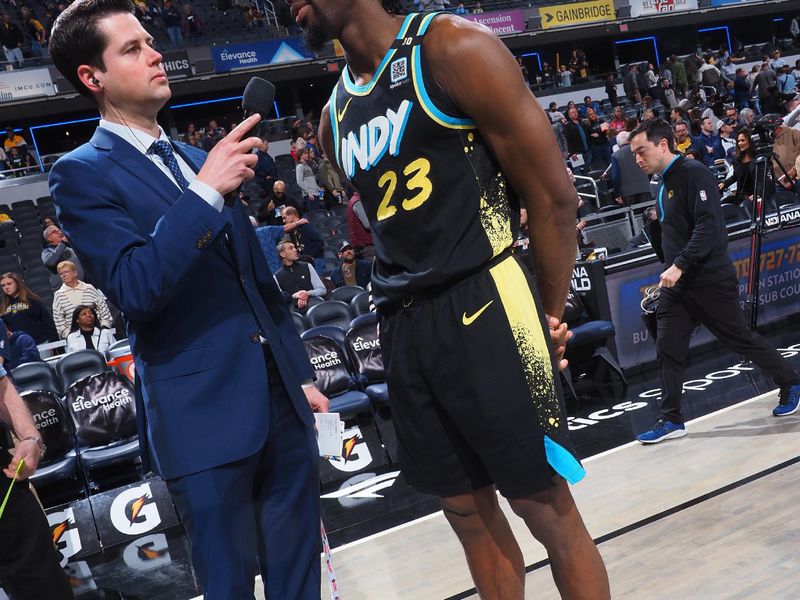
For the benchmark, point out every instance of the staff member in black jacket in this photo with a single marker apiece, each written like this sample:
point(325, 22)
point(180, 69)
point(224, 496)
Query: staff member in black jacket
point(700, 285)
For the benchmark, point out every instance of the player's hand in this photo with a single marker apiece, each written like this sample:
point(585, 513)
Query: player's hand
point(30, 452)
point(231, 162)
point(318, 402)
point(670, 277)
point(559, 336)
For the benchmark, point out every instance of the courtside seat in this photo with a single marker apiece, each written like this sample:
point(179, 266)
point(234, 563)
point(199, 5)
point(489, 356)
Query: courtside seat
point(80, 364)
point(595, 333)
point(331, 312)
point(360, 304)
point(334, 374)
point(346, 293)
point(363, 346)
point(61, 460)
point(332, 331)
point(34, 376)
point(299, 322)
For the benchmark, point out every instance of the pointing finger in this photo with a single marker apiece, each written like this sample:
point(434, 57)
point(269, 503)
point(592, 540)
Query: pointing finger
point(243, 127)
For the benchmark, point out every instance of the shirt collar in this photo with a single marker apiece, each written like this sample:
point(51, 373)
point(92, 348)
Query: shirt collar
point(65, 288)
point(669, 166)
point(140, 140)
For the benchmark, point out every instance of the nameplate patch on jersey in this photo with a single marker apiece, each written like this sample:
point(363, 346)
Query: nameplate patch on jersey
point(373, 139)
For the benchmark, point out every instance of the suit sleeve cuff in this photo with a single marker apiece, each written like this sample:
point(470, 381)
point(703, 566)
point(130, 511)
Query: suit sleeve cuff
point(207, 193)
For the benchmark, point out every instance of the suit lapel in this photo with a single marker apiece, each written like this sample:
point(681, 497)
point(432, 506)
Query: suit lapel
point(136, 163)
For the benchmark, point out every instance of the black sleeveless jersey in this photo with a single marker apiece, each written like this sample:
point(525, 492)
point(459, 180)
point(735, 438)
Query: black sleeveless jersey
point(438, 205)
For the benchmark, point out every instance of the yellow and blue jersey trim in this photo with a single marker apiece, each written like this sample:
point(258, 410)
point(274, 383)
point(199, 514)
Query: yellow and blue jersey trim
point(425, 100)
point(363, 90)
point(334, 124)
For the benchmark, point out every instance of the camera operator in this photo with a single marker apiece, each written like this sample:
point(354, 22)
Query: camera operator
point(29, 568)
point(700, 285)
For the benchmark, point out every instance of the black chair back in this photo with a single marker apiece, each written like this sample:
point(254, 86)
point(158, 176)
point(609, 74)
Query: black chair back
point(51, 422)
point(346, 293)
point(364, 348)
point(35, 376)
point(102, 408)
point(332, 312)
point(360, 304)
point(330, 365)
point(80, 364)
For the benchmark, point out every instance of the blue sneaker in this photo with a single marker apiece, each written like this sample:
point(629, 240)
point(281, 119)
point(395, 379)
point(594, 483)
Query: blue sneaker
point(663, 430)
point(788, 401)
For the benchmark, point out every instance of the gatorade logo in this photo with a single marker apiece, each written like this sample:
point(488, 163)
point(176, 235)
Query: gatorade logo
point(355, 452)
point(66, 537)
point(133, 512)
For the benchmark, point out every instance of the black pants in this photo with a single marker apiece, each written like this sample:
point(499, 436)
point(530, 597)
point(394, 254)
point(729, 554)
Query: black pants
point(716, 306)
point(29, 568)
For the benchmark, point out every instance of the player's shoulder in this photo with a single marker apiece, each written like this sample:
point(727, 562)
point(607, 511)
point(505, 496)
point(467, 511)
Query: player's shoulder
point(452, 34)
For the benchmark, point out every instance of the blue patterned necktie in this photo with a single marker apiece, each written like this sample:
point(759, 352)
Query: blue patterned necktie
point(164, 150)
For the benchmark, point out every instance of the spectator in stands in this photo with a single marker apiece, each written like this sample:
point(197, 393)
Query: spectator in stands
point(547, 71)
point(269, 236)
point(630, 86)
point(304, 175)
point(358, 227)
point(280, 198)
point(617, 120)
point(34, 30)
point(17, 161)
point(710, 74)
point(460, 9)
point(74, 293)
point(351, 271)
point(692, 63)
point(703, 144)
point(565, 77)
point(598, 138)
point(677, 115)
point(683, 141)
point(265, 169)
point(23, 310)
point(172, 23)
point(666, 94)
point(777, 62)
point(476, 10)
point(20, 348)
point(587, 104)
point(553, 113)
point(744, 171)
point(787, 84)
point(787, 149)
point(723, 148)
point(14, 140)
point(766, 84)
point(84, 333)
point(746, 117)
point(652, 78)
point(253, 17)
point(679, 78)
point(329, 179)
point(49, 222)
point(729, 69)
point(11, 39)
point(192, 25)
point(577, 137)
point(59, 249)
point(631, 184)
point(741, 89)
point(297, 280)
point(611, 89)
point(304, 236)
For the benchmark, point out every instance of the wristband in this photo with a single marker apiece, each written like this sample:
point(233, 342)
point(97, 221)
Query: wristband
point(38, 441)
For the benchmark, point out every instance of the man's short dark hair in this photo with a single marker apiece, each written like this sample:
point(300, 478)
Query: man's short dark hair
point(77, 40)
point(656, 130)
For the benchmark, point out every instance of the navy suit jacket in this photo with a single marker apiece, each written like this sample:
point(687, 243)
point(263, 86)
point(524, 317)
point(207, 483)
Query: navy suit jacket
point(193, 308)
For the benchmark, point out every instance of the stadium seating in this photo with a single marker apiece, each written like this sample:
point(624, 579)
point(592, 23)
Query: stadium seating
point(360, 303)
point(346, 293)
point(36, 376)
point(364, 348)
point(78, 365)
point(332, 312)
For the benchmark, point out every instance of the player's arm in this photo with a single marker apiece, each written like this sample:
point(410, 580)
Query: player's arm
point(480, 75)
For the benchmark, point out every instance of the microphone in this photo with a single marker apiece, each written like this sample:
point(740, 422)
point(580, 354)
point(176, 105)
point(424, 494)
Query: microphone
point(259, 94)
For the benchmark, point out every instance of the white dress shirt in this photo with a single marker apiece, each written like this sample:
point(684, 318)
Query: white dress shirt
point(142, 141)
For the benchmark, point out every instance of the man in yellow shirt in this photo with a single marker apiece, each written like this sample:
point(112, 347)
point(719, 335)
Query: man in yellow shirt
point(683, 140)
point(13, 140)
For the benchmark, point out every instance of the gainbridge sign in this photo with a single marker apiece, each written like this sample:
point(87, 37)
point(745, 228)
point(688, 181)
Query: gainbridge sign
point(564, 15)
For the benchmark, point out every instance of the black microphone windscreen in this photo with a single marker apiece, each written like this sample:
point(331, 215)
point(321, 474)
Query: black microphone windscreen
point(258, 97)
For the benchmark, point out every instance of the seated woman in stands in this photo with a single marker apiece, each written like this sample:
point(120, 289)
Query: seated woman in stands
point(743, 170)
point(85, 334)
point(24, 311)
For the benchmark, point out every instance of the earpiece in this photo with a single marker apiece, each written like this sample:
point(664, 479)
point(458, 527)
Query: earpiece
point(95, 81)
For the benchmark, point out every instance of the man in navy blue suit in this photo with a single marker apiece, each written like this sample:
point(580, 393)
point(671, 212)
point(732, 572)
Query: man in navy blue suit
point(224, 386)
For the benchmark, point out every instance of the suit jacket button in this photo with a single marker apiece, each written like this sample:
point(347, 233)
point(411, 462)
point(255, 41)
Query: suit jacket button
point(255, 338)
point(201, 244)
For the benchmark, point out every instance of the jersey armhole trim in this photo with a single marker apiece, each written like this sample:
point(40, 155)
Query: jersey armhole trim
point(334, 124)
point(430, 108)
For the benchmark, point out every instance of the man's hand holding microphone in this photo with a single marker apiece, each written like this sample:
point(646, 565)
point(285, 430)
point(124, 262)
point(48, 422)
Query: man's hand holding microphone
point(231, 161)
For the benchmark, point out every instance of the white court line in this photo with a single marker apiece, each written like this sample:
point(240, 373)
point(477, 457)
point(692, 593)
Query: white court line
point(585, 460)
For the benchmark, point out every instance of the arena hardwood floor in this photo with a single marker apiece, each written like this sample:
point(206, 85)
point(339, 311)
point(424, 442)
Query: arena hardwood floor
point(625, 490)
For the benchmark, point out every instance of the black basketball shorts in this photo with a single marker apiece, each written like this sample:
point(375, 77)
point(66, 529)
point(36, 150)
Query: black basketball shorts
point(473, 394)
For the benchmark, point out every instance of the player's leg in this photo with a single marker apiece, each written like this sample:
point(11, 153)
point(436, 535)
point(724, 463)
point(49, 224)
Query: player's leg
point(553, 519)
point(494, 558)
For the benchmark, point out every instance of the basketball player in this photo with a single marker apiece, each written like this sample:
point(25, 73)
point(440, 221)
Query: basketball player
point(434, 125)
